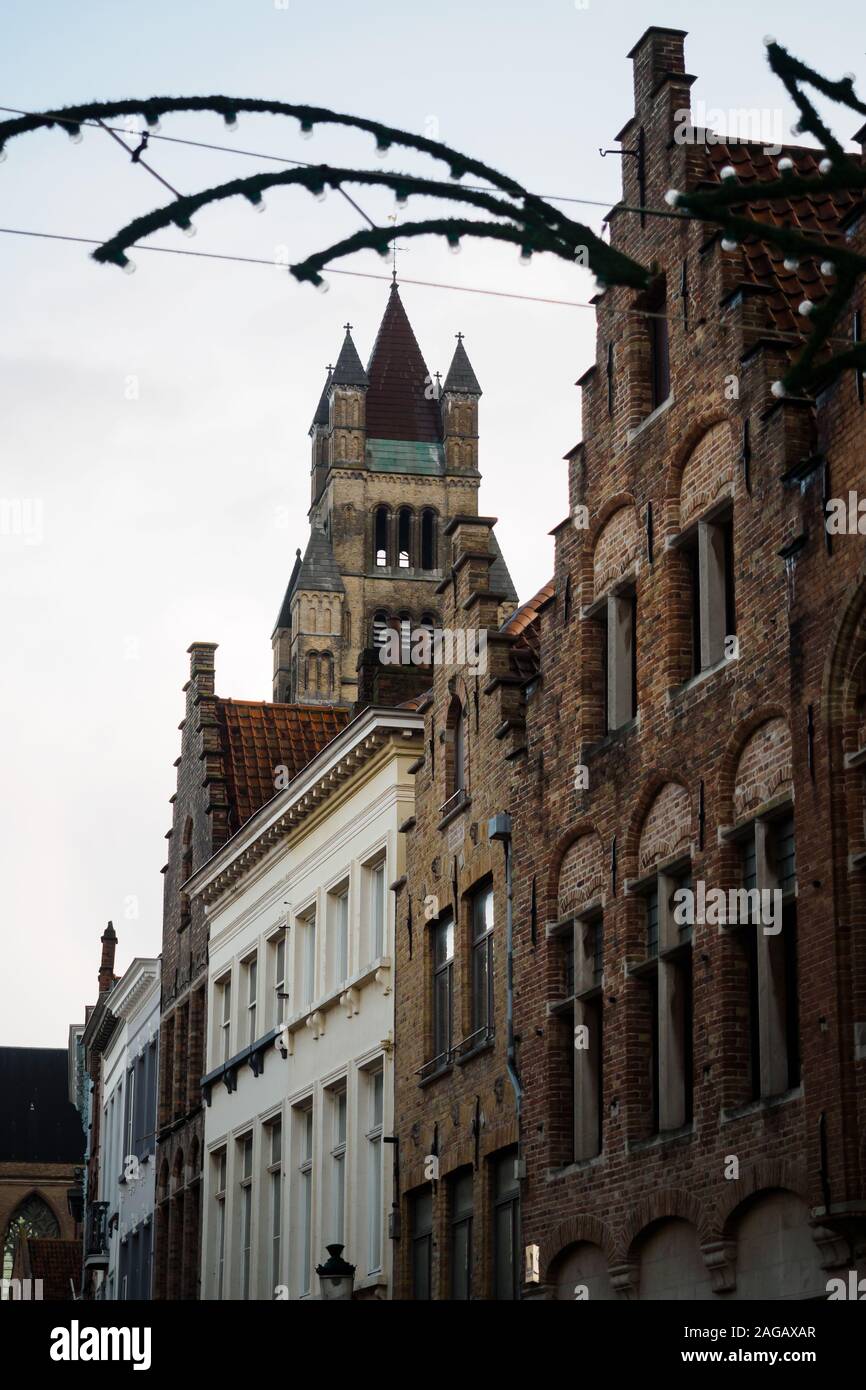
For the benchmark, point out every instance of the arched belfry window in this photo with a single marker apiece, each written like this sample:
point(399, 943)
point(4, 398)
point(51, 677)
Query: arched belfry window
point(428, 539)
point(380, 537)
point(456, 751)
point(404, 538)
point(32, 1217)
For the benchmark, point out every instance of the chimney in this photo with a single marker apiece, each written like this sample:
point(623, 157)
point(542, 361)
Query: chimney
point(658, 54)
point(106, 968)
point(201, 666)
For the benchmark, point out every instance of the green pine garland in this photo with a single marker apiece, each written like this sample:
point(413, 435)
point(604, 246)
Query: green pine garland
point(525, 219)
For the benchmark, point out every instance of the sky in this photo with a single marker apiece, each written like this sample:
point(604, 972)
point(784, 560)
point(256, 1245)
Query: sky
point(153, 427)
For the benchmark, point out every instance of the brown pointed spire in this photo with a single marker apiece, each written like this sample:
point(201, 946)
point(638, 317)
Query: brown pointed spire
point(400, 400)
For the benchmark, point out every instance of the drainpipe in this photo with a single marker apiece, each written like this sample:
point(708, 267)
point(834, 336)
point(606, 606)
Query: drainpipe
point(499, 828)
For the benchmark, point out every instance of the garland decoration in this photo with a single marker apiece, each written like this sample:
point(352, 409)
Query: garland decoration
point(522, 218)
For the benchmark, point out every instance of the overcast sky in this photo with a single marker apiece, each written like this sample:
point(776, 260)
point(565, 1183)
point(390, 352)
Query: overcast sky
point(155, 425)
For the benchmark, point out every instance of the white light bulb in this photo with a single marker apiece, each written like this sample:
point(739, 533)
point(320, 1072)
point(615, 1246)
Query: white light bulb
point(261, 205)
point(849, 77)
point(306, 132)
point(728, 244)
point(791, 263)
point(672, 197)
point(382, 151)
point(129, 267)
point(76, 136)
point(828, 268)
point(154, 126)
point(825, 166)
point(785, 164)
point(323, 287)
point(232, 125)
point(3, 155)
point(806, 308)
point(777, 389)
point(401, 200)
point(768, 39)
point(454, 248)
point(320, 194)
point(729, 172)
point(189, 229)
point(525, 256)
point(796, 128)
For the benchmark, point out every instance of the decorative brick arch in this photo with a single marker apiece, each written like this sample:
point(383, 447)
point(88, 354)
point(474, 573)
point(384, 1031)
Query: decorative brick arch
point(617, 547)
point(764, 767)
point(759, 1179)
point(664, 1204)
point(656, 783)
point(846, 645)
point(731, 757)
point(590, 537)
point(576, 1230)
point(581, 874)
point(561, 848)
point(688, 444)
point(707, 473)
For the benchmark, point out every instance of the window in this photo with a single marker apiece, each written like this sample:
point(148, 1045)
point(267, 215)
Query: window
point(245, 1198)
point(380, 537)
point(421, 1223)
point(506, 1224)
point(618, 621)
point(428, 540)
point(252, 973)
point(443, 988)
point(461, 1234)
point(375, 1119)
point(340, 951)
point(766, 928)
point(376, 925)
point(308, 967)
point(219, 1168)
point(305, 1196)
point(709, 553)
point(455, 752)
point(338, 1167)
point(225, 992)
point(404, 538)
point(274, 1141)
point(667, 1001)
point(482, 964)
point(130, 1116)
point(657, 334)
point(278, 948)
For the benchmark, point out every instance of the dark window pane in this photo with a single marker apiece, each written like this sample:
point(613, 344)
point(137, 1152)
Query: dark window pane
point(782, 853)
point(652, 923)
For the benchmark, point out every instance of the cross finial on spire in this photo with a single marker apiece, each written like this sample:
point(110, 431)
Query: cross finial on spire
point(348, 327)
point(459, 337)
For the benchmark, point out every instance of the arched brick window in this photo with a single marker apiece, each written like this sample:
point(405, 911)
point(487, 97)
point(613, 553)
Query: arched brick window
point(404, 538)
point(429, 546)
point(381, 524)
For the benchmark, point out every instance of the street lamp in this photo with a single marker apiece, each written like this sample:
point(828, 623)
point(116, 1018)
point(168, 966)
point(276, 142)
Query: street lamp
point(336, 1276)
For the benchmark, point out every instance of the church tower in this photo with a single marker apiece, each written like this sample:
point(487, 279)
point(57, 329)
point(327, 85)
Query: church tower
point(394, 458)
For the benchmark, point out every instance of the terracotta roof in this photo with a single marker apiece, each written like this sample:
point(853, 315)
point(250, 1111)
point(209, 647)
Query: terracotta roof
point(55, 1262)
point(815, 215)
point(258, 737)
point(524, 625)
point(398, 406)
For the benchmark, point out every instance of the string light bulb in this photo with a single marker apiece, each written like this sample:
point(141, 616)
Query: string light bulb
point(322, 286)
point(828, 268)
point(320, 193)
point(306, 131)
point(786, 164)
point(154, 124)
point(791, 263)
point(728, 244)
point(128, 267)
point(825, 166)
point(76, 134)
point(672, 197)
point(454, 245)
point(728, 172)
point(806, 308)
point(382, 148)
point(3, 154)
point(188, 228)
point(231, 123)
point(777, 389)
point(525, 257)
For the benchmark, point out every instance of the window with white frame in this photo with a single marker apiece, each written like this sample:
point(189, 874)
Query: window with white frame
point(376, 909)
point(666, 977)
point(768, 941)
point(251, 968)
point(130, 1115)
point(443, 989)
point(304, 1195)
point(308, 957)
point(708, 546)
point(219, 1172)
point(245, 1204)
point(375, 1119)
point(224, 995)
point(339, 913)
point(481, 909)
point(337, 1177)
point(278, 946)
point(617, 617)
point(274, 1155)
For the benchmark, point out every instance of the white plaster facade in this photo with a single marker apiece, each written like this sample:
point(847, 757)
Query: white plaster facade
point(127, 1141)
point(299, 1074)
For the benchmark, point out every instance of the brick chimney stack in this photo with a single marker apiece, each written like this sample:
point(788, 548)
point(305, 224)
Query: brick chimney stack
point(657, 55)
point(106, 968)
